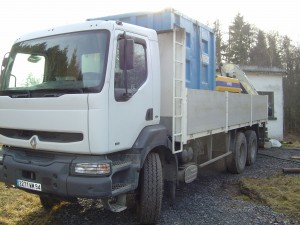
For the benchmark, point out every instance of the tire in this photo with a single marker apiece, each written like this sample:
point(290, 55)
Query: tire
point(251, 147)
point(48, 202)
point(151, 190)
point(237, 160)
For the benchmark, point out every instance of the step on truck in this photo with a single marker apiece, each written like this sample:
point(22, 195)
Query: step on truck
point(121, 109)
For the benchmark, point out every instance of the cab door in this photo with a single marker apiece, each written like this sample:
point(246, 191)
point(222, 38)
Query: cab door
point(130, 95)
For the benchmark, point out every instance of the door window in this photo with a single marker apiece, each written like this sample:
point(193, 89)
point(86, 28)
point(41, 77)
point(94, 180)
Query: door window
point(136, 77)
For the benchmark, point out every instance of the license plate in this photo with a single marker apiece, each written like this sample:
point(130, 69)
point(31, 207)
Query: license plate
point(29, 185)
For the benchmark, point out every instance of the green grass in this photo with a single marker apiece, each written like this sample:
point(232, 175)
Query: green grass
point(19, 207)
point(280, 192)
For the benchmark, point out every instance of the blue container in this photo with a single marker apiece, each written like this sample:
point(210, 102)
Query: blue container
point(200, 43)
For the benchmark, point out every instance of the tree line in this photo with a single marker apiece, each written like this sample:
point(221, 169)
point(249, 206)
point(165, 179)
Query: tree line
point(245, 44)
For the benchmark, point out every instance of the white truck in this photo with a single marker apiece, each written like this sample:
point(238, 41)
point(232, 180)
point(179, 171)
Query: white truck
point(102, 109)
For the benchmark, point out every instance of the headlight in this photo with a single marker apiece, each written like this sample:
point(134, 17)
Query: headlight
point(91, 168)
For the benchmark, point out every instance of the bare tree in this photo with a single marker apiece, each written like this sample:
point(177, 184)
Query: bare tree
point(220, 45)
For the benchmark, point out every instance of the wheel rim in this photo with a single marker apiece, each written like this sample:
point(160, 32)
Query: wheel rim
point(242, 151)
point(253, 150)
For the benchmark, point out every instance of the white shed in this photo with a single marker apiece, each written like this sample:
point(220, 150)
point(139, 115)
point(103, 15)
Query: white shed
point(268, 81)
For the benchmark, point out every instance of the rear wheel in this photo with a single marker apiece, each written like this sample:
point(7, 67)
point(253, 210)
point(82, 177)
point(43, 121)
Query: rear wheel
point(151, 190)
point(251, 147)
point(236, 162)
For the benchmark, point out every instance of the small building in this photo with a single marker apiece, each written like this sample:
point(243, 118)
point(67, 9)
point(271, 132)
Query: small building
point(268, 81)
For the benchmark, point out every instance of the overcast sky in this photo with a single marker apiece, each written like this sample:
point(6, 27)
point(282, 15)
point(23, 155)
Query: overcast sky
point(23, 16)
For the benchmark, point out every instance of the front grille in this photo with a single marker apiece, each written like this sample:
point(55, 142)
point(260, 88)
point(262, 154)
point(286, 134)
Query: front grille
point(60, 137)
point(118, 186)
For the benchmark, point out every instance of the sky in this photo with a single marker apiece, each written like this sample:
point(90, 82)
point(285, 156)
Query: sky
point(24, 16)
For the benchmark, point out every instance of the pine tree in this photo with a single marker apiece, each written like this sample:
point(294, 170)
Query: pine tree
point(240, 41)
point(259, 53)
point(273, 51)
point(286, 50)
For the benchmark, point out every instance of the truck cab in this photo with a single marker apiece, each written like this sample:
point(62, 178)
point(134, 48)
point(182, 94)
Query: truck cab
point(78, 69)
point(79, 106)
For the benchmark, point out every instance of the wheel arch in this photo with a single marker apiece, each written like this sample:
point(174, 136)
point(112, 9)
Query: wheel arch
point(155, 139)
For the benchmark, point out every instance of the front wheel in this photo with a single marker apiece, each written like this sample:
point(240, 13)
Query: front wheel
point(151, 190)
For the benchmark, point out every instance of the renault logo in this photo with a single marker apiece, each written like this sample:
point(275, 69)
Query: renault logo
point(33, 142)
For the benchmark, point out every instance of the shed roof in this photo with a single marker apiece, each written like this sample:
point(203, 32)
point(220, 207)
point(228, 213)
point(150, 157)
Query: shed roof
point(264, 70)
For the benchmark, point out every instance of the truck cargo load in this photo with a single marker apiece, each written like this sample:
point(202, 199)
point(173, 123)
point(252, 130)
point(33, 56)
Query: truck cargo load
point(199, 44)
point(228, 84)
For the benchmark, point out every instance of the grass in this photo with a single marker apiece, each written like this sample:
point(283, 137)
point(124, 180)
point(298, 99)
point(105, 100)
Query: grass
point(280, 192)
point(19, 207)
point(291, 141)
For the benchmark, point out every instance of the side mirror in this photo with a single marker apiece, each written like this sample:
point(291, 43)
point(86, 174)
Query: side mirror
point(126, 49)
point(5, 59)
point(4, 62)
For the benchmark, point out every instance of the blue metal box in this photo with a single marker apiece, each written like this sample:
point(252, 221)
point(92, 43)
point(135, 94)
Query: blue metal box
point(200, 43)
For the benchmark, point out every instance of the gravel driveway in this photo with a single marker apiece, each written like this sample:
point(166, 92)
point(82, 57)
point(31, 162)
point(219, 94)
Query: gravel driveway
point(208, 200)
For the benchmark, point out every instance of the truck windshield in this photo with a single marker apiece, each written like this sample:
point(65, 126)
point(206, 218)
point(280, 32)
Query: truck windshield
point(67, 63)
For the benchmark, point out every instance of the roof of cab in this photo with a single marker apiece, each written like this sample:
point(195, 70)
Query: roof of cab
point(89, 25)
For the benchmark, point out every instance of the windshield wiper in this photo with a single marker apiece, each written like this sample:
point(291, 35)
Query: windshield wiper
point(52, 95)
point(39, 93)
point(55, 92)
point(16, 94)
point(20, 96)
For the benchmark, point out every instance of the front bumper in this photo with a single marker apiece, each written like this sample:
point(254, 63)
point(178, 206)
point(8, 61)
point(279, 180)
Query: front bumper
point(52, 171)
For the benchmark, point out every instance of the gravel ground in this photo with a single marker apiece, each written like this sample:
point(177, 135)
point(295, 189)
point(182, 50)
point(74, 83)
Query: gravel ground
point(208, 200)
